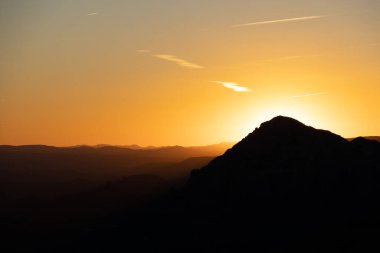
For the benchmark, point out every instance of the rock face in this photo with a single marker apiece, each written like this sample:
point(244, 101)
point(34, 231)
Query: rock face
point(287, 172)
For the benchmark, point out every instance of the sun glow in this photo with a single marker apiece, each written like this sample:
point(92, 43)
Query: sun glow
point(214, 77)
point(268, 111)
point(288, 111)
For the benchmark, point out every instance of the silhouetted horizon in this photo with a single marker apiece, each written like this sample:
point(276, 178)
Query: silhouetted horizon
point(126, 146)
point(137, 146)
point(284, 180)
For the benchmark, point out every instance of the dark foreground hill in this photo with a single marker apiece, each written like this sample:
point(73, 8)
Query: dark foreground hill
point(286, 187)
point(295, 165)
point(289, 183)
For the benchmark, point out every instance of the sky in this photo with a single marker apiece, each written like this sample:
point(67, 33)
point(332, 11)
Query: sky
point(185, 72)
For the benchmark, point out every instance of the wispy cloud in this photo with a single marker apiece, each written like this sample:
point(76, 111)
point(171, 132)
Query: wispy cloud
point(92, 13)
point(180, 62)
point(267, 22)
point(234, 86)
point(171, 58)
point(309, 95)
point(286, 58)
point(143, 51)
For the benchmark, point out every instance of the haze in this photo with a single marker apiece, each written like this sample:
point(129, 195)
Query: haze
point(152, 72)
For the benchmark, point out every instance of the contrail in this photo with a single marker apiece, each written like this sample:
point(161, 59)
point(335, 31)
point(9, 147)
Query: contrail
point(180, 62)
point(308, 95)
point(279, 21)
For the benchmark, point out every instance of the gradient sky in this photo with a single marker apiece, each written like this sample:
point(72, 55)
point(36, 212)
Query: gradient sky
point(187, 72)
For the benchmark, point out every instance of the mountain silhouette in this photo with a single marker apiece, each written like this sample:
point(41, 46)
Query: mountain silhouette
point(286, 187)
point(289, 162)
point(373, 138)
point(41, 171)
point(291, 183)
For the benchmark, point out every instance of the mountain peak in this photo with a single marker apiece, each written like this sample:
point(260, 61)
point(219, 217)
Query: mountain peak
point(282, 121)
point(286, 131)
point(282, 125)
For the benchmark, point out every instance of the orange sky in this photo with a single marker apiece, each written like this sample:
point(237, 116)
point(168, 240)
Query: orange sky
point(185, 72)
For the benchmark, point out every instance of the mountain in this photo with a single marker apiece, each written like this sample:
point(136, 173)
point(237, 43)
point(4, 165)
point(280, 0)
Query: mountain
point(45, 170)
point(288, 161)
point(286, 180)
point(374, 138)
point(169, 153)
point(286, 187)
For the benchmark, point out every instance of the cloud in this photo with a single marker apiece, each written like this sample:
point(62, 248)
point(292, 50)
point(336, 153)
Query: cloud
point(308, 95)
point(171, 58)
point(267, 22)
point(93, 13)
point(286, 58)
point(235, 87)
point(178, 61)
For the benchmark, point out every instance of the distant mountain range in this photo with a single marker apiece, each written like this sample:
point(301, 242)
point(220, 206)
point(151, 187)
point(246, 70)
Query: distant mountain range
point(47, 170)
point(135, 152)
point(373, 138)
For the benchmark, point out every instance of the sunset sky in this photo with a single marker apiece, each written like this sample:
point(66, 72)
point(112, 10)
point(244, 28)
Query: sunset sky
point(186, 72)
